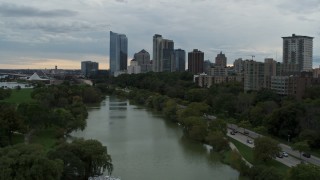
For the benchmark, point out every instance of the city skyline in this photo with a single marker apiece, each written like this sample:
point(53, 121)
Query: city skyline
point(37, 34)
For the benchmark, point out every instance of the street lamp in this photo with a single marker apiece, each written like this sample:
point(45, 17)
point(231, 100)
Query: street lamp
point(288, 138)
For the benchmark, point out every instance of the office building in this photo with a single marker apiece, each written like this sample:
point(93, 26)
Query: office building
point(143, 60)
point(180, 60)
point(253, 75)
point(89, 68)
point(118, 53)
point(163, 54)
point(271, 68)
point(221, 60)
point(134, 67)
point(195, 61)
point(297, 53)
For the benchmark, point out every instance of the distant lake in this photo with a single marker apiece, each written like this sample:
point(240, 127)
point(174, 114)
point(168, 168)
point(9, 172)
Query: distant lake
point(12, 85)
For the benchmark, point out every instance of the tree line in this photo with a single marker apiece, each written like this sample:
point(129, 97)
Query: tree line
point(264, 111)
point(59, 107)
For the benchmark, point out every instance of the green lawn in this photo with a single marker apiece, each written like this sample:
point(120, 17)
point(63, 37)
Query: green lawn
point(46, 137)
point(247, 153)
point(19, 96)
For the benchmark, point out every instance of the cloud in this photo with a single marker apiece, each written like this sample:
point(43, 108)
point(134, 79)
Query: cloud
point(298, 6)
point(13, 10)
point(122, 1)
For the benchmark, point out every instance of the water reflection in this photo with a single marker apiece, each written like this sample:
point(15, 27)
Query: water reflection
point(144, 146)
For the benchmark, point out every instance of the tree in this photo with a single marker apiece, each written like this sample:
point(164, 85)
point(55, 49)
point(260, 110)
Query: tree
point(265, 149)
point(218, 141)
point(170, 110)
point(10, 121)
point(285, 120)
point(301, 146)
point(304, 172)
point(64, 119)
point(262, 172)
point(28, 162)
point(218, 125)
point(73, 167)
point(91, 153)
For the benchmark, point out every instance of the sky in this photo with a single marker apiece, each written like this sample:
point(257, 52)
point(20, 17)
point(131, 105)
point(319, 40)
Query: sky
point(43, 34)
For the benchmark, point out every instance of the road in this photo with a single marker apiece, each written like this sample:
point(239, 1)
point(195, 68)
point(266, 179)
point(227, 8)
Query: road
point(293, 158)
point(289, 161)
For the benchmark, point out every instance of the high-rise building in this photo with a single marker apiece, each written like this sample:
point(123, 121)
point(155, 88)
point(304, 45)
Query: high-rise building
point(134, 67)
point(270, 69)
point(238, 66)
point(297, 53)
point(207, 65)
point(195, 61)
point(118, 52)
point(180, 60)
point(143, 60)
point(253, 75)
point(163, 54)
point(89, 68)
point(221, 60)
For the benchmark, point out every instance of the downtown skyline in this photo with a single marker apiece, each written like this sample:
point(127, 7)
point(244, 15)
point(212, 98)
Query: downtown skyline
point(37, 34)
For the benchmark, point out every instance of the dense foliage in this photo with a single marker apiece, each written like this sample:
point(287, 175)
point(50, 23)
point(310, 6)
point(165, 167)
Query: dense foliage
point(264, 110)
point(63, 109)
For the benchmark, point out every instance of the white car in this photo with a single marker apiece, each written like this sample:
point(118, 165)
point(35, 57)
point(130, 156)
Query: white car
point(285, 154)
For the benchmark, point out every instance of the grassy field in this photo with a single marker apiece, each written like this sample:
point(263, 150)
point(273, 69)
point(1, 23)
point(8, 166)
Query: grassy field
point(46, 137)
point(19, 96)
point(247, 153)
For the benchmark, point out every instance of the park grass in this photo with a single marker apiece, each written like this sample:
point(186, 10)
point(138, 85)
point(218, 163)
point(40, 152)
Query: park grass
point(46, 137)
point(19, 96)
point(247, 153)
point(244, 150)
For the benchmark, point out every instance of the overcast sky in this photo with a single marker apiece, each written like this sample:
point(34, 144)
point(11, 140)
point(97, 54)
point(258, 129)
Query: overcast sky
point(42, 34)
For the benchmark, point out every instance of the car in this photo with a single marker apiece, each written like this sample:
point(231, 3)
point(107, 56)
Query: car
point(249, 141)
point(245, 132)
point(305, 154)
point(279, 155)
point(234, 130)
point(285, 154)
point(232, 133)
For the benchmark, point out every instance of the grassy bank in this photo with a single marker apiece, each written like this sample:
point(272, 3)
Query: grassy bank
point(247, 153)
point(19, 96)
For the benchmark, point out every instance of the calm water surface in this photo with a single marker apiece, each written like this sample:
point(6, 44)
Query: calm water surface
point(144, 146)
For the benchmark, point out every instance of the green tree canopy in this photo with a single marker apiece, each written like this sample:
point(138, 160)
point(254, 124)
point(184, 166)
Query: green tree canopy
point(90, 153)
point(304, 172)
point(265, 149)
point(28, 162)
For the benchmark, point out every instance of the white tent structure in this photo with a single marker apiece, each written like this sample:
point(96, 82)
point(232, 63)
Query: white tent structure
point(36, 77)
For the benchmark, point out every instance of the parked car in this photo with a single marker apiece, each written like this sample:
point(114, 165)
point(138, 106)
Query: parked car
point(305, 154)
point(245, 132)
point(232, 133)
point(249, 141)
point(234, 130)
point(279, 155)
point(285, 154)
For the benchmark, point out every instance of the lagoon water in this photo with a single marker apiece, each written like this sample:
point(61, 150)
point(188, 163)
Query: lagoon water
point(143, 146)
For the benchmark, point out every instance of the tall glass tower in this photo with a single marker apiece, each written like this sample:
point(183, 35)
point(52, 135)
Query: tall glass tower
point(118, 52)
